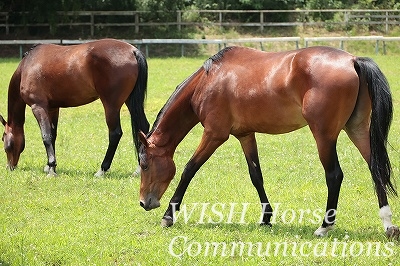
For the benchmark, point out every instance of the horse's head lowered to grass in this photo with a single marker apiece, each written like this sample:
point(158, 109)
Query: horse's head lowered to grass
point(14, 143)
point(157, 171)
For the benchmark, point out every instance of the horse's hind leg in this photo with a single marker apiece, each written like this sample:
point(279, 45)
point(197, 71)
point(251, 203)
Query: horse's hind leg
point(359, 134)
point(54, 114)
point(334, 177)
point(249, 146)
point(114, 136)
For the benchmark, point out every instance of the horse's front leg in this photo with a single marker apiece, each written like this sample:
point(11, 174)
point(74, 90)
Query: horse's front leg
point(48, 135)
point(206, 148)
point(249, 146)
point(114, 136)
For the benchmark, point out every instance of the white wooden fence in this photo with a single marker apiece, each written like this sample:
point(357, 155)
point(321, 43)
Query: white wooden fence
point(148, 42)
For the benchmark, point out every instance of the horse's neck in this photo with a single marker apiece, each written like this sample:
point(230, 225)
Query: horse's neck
point(176, 121)
point(16, 105)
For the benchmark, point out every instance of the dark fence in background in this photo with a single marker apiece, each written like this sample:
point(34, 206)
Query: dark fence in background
point(260, 19)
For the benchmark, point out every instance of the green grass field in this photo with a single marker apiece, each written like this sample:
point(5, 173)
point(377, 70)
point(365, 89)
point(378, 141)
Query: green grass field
point(77, 219)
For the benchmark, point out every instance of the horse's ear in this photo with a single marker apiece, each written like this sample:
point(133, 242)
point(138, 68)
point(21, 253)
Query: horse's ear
point(3, 121)
point(143, 139)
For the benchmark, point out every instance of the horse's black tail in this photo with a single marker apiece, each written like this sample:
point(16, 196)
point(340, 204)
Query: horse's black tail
point(381, 118)
point(136, 100)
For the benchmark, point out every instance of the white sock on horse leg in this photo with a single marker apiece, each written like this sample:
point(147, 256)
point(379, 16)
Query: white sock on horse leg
point(386, 215)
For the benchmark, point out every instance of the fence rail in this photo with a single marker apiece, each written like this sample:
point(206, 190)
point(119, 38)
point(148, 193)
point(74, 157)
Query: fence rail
point(147, 42)
point(219, 18)
point(220, 42)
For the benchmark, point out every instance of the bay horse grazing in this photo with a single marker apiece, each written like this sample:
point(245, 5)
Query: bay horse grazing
point(240, 91)
point(53, 76)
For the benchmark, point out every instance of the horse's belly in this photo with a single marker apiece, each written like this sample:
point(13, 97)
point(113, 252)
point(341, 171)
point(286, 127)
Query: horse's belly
point(72, 102)
point(270, 121)
point(72, 97)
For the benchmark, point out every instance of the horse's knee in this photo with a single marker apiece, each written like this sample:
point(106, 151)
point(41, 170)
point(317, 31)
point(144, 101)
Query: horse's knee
point(115, 135)
point(334, 178)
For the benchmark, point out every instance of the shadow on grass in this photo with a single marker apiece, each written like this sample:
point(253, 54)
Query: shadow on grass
point(3, 263)
point(65, 171)
point(304, 232)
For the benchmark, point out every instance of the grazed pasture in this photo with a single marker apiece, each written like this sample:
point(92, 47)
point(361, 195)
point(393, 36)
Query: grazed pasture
point(76, 219)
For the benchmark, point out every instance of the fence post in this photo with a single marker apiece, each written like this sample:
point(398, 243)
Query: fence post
point(261, 21)
point(220, 19)
point(7, 27)
point(387, 22)
point(91, 24)
point(179, 19)
point(384, 47)
point(346, 18)
point(136, 22)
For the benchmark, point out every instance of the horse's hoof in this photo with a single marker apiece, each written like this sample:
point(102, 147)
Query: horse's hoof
point(46, 169)
point(99, 173)
point(393, 232)
point(51, 172)
point(10, 168)
point(167, 221)
point(266, 224)
point(323, 231)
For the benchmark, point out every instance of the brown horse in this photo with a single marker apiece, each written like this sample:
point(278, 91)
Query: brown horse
point(240, 91)
point(52, 76)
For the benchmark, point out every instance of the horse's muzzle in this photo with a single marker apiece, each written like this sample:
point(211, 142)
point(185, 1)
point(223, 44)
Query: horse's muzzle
point(151, 202)
point(11, 167)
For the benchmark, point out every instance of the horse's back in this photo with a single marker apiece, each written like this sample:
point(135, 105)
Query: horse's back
point(255, 91)
point(77, 74)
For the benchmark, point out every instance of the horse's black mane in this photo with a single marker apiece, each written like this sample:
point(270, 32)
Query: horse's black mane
point(215, 58)
point(207, 66)
point(33, 47)
point(157, 120)
point(173, 95)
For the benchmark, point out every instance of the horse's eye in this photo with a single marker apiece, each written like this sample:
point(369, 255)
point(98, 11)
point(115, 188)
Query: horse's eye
point(8, 144)
point(8, 148)
point(144, 167)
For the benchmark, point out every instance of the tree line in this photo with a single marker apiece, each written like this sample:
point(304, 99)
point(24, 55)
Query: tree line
point(44, 9)
point(151, 5)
